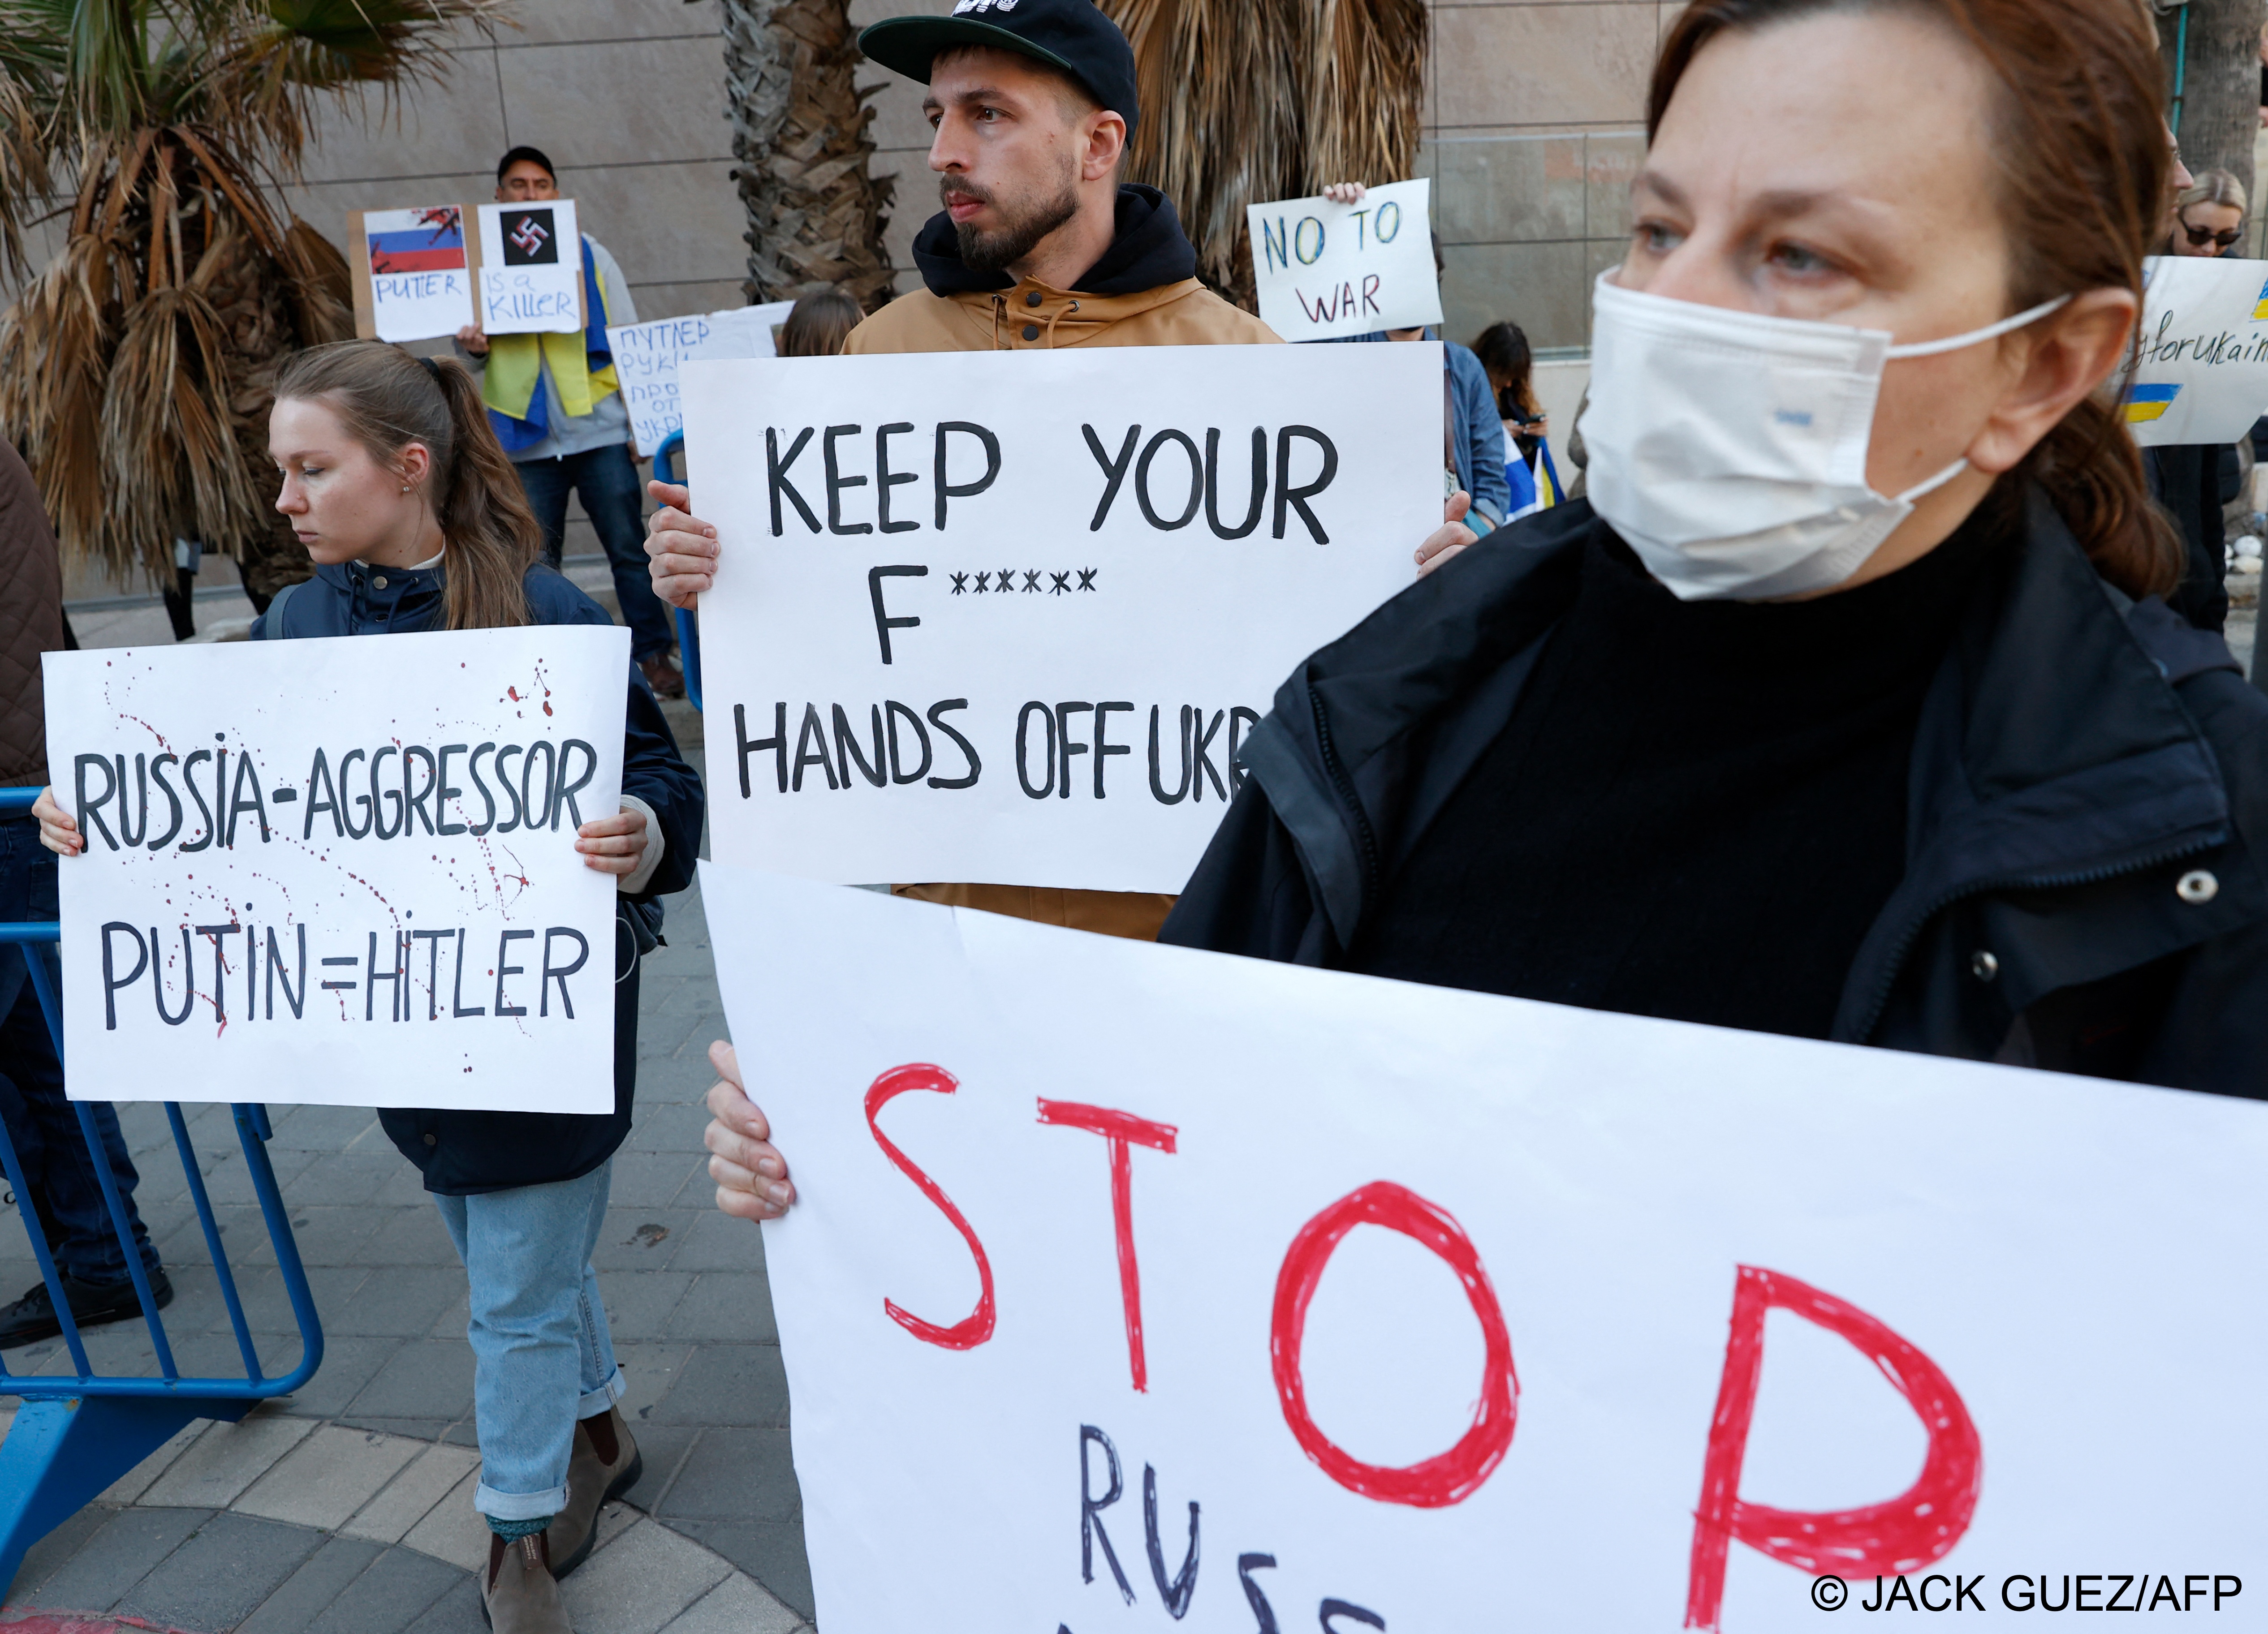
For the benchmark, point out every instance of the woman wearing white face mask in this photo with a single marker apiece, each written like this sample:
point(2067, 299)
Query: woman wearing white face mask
point(1847, 712)
point(1839, 710)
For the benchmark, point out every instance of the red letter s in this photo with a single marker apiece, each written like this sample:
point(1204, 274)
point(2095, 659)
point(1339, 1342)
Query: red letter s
point(976, 1326)
point(1917, 1526)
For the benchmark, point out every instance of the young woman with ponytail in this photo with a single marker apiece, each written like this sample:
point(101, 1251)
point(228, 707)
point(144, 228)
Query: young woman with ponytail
point(396, 486)
point(1845, 706)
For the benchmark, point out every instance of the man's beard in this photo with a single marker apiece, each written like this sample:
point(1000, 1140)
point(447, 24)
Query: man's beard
point(996, 251)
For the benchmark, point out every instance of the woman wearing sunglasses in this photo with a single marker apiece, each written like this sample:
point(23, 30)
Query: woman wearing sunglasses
point(2211, 218)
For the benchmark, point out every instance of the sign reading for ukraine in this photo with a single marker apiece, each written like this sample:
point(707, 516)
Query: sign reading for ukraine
point(2200, 365)
point(413, 272)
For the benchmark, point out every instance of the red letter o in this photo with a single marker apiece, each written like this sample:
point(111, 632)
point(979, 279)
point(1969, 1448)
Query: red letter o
point(1448, 1477)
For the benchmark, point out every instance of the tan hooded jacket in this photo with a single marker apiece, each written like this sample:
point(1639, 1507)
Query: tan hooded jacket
point(949, 316)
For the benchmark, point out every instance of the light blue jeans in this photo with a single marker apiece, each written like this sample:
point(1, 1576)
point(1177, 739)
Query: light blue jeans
point(542, 1358)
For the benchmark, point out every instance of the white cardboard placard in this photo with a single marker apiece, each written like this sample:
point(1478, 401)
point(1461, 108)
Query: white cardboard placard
point(2200, 371)
point(414, 274)
point(1325, 270)
point(647, 357)
point(337, 806)
point(1999, 1326)
point(904, 718)
point(531, 268)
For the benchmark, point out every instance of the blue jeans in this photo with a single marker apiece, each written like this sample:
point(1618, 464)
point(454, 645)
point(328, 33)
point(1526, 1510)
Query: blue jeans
point(66, 1196)
point(605, 480)
point(542, 1358)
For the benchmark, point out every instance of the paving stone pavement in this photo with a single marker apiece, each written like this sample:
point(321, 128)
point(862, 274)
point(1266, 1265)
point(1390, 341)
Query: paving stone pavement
point(348, 1506)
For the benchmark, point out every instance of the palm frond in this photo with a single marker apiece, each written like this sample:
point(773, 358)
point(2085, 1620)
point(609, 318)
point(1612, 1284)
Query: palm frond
point(171, 462)
point(1247, 100)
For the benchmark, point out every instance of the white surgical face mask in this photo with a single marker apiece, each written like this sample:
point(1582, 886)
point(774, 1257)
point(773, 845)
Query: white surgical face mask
point(1729, 448)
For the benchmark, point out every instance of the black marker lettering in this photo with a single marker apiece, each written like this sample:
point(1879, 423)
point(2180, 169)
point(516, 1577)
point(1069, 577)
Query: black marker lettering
point(886, 479)
point(1113, 471)
point(775, 473)
point(966, 491)
point(837, 482)
point(967, 748)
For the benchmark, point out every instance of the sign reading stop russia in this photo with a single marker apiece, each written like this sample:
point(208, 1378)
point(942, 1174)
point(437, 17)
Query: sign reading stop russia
point(1129, 1286)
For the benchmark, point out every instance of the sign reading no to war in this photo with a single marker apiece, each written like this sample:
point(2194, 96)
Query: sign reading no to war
point(1133, 1288)
point(1005, 617)
point(341, 871)
point(1326, 270)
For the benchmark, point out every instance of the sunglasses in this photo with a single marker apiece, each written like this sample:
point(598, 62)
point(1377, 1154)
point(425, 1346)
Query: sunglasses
point(2203, 236)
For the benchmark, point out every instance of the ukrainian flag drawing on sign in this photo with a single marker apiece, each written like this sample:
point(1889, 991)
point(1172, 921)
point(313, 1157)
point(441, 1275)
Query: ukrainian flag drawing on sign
point(2260, 310)
point(2149, 402)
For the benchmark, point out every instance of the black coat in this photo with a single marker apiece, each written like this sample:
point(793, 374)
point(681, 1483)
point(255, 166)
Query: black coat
point(2185, 478)
point(465, 1153)
point(2087, 806)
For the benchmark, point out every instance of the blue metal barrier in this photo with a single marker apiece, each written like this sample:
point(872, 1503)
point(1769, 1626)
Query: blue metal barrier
point(688, 628)
point(77, 1432)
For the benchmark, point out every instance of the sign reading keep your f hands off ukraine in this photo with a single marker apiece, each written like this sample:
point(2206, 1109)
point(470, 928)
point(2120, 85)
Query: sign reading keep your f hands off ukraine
point(1007, 617)
point(341, 871)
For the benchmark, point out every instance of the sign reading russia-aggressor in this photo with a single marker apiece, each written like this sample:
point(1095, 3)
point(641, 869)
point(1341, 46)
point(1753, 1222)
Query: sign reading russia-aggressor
point(341, 871)
point(1006, 617)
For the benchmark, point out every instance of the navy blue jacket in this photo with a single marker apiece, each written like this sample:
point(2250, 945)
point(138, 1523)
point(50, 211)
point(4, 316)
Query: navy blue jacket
point(2088, 800)
point(464, 1152)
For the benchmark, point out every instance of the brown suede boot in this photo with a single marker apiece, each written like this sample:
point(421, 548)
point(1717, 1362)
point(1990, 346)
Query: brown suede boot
point(519, 1594)
point(606, 1465)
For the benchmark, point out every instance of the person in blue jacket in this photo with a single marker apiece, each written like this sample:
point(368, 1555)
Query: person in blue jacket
point(1476, 435)
point(395, 484)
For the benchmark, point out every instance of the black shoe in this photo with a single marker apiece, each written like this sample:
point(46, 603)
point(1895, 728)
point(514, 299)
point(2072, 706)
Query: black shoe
point(33, 1318)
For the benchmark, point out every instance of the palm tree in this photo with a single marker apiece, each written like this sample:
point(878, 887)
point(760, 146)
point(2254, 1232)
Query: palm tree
point(1248, 100)
point(134, 370)
point(815, 214)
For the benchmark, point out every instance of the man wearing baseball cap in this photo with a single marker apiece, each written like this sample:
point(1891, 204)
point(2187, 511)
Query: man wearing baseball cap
point(1039, 245)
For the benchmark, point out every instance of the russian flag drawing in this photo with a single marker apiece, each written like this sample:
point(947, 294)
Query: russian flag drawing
point(415, 240)
point(2149, 402)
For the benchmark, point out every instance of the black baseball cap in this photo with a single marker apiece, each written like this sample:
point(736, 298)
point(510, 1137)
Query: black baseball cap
point(1072, 35)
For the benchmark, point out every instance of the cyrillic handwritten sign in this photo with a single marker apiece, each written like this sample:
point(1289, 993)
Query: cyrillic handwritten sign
point(413, 271)
point(531, 268)
point(2200, 371)
point(647, 357)
point(1006, 616)
point(1325, 270)
point(343, 871)
point(1141, 1289)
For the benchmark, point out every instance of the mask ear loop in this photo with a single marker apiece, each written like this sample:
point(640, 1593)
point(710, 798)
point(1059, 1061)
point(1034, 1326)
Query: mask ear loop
point(1955, 342)
point(1977, 337)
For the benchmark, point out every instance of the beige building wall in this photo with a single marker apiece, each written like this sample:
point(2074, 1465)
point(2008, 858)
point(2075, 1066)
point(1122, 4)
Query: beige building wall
point(1531, 131)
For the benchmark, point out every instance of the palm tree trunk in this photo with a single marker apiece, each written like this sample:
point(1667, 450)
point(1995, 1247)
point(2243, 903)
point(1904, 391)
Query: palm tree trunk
point(815, 213)
point(2220, 83)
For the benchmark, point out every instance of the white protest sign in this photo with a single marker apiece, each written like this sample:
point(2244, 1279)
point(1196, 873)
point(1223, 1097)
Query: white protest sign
point(1454, 1312)
point(647, 356)
point(1324, 270)
point(531, 268)
point(2200, 367)
point(413, 272)
point(1005, 617)
point(341, 871)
